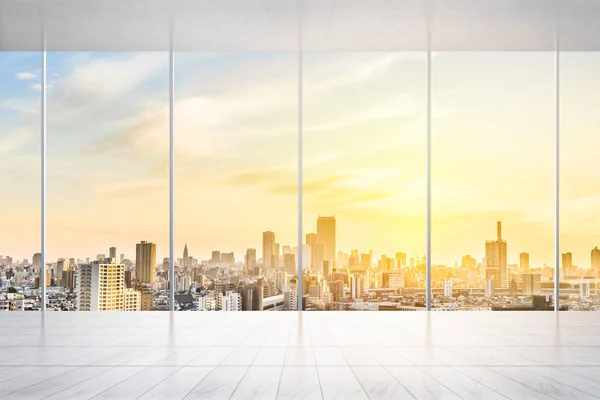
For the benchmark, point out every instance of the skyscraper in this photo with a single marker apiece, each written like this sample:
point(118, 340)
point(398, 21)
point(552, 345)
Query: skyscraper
point(311, 240)
point(595, 261)
point(268, 244)
point(186, 259)
point(289, 263)
point(567, 264)
point(495, 256)
point(145, 262)
point(250, 262)
point(216, 257)
point(112, 254)
point(326, 234)
point(524, 261)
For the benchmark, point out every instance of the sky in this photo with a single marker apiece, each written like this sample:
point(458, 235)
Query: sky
point(236, 146)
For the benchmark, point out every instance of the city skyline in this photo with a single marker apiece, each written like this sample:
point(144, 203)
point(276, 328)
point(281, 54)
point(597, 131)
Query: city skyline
point(226, 190)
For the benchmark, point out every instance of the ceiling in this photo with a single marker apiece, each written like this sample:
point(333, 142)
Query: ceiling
point(281, 25)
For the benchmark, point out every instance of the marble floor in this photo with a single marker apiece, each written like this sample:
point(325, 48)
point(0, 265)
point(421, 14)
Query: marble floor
point(310, 355)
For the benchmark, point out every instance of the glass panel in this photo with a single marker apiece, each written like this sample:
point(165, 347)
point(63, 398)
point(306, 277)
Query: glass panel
point(364, 181)
point(20, 179)
point(236, 180)
point(108, 193)
point(493, 181)
point(579, 180)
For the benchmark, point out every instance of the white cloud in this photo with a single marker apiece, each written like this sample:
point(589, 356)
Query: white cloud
point(23, 76)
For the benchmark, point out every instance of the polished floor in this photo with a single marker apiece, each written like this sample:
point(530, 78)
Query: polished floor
point(289, 355)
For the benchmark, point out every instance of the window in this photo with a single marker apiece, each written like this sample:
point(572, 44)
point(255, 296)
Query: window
point(492, 180)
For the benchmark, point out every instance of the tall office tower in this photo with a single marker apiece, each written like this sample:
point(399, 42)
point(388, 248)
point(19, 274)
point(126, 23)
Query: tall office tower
point(145, 262)
point(326, 233)
point(401, 259)
point(495, 256)
point(524, 261)
point(250, 262)
point(268, 245)
point(101, 287)
point(357, 286)
point(186, 258)
point(37, 260)
point(366, 259)
point(112, 254)
point(165, 264)
point(327, 269)
point(228, 258)
point(448, 288)
point(61, 267)
point(468, 261)
point(311, 240)
point(567, 264)
point(531, 284)
point(289, 263)
point(215, 257)
point(596, 262)
point(121, 258)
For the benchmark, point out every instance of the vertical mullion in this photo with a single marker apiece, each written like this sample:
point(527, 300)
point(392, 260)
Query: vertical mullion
point(171, 177)
point(300, 155)
point(556, 174)
point(428, 172)
point(43, 173)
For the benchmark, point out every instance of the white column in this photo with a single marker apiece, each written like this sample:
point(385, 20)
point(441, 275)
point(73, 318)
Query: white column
point(171, 177)
point(43, 174)
point(557, 258)
point(300, 155)
point(428, 167)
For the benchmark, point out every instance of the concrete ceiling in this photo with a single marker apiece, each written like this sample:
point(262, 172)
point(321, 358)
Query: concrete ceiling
point(280, 25)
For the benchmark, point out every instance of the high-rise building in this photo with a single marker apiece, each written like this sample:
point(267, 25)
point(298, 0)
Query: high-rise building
point(531, 284)
point(37, 260)
point(280, 280)
point(327, 268)
point(595, 261)
point(585, 290)
point(286, 250)
point(112, 254)
point(61, 267)
point(268, 245)
point(186, 257)
point(290, 297)
point(357, 286)
point(216, 257)
point(448, 288)
point(401, 259)
point(101, 287)
point(121, 258)
point(392, 279)
point(567, 264)
point(524, 261)
point(231, 301)
point(289, 263)
point(311, 240)
point(145, 262)
point(495, 256)
point(165, 264)
point(326, 234)
point(250, 262)
point(228, 258)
